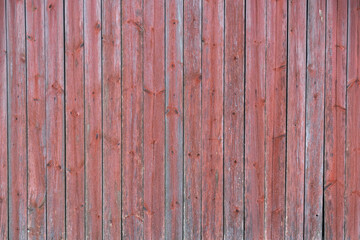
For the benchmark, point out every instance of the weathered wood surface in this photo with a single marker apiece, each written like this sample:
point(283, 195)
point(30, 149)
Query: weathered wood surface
point(255, 119)
point(352, 176)
point(174, 119)
point(234, 134)
point(55, 119)
point(335, 119)
point(74, 125)
point(93, 119)
point(154, 120)
point(295, 147)
point(132, 119)
point(111, 129)
point(192, 119)
point(36, 95)
point(212, 109)
point(275, 157)
point(3, 127)
point(179, 119)
point(17, 120)
point(314, 119)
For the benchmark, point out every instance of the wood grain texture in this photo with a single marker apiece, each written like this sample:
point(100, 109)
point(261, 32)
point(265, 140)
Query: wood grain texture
point(335, 119)
point(55, 119)
point(154, 120)
point(3, 126)
point(255, 119)
point(275, 150)
point(352, 200)
point(132, 119)
point(174, 119)
point(179, 119)
point(295, 155)
point(36, 119)
point(111, 97)
point(234, 134)
point(74, 100)
point(314, 138)
point(192, 119)
point(17, 141)
point(212, 119)
point(93, 119)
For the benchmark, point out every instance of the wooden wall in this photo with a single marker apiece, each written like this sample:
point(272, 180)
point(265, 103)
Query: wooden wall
point(180, 119)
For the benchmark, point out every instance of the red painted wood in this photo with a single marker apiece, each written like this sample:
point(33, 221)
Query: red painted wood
point(212, 119)
point(254, 120)
point(275, 150)
point(132, 119)
point(17, 142)
point(335, 119)
point(174, 119)
point(111, 97)
point(55, 119)
point(296, 83)
point(352, 200)
point(314, 138)
point(93, 120)
point(179, 119)
point(74, 87)
point(192, 119)
point(154, 120)
point(35, 37)
point(234, 134)
point(3, 127)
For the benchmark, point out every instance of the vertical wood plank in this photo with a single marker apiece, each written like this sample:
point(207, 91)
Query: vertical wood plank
point(55, 118)
point(335, 119)
point(234, 119)
point(255, 119)
point(17, 119)
point(174, 119)
point(314, 138)
point(352, 207)
point(212, 119)
point(192, 119)
point(132, 119)
point(3, 126)
point(74, 65)
point(111, 97)
point(275, 150)
point(36, 119)
point(93, 120)
point(294, 219)
point(154, 120)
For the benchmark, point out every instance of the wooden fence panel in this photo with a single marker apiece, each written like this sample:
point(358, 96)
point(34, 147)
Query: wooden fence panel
point(179, 119)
